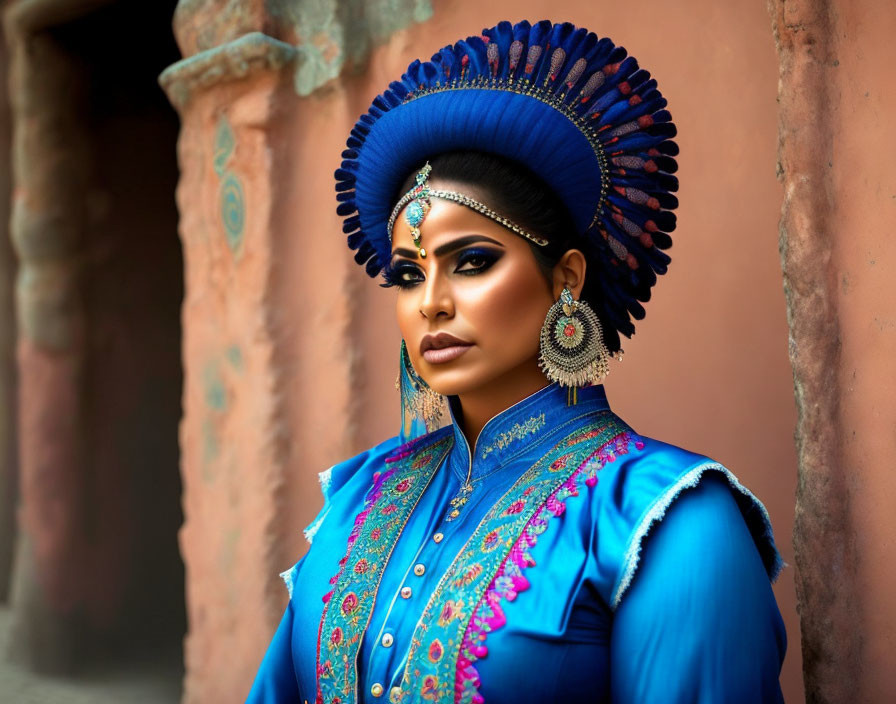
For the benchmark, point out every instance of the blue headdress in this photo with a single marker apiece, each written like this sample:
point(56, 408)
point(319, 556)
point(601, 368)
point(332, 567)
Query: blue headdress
point(574, 109)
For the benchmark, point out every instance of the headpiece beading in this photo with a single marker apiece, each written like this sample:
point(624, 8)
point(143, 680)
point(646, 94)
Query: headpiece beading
point(418, 204)
point(574, 109)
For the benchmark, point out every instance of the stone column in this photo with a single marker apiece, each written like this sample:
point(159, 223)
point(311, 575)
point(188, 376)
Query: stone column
point(97, 299)
point(8, 453)
point(234, 432)
point(838, 260)
point(51, 163)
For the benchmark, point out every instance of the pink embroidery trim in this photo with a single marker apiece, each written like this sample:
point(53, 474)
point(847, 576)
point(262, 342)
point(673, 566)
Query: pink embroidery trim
point(510, 581)
point(379, 479)
point(376, 492)
point(373, 497)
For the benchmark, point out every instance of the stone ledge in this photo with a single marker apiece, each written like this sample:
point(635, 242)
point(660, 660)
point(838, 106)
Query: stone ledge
point(242, 57)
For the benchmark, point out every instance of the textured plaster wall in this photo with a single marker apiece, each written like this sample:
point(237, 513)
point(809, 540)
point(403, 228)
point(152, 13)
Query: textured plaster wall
point(8, 453)
point(50, 596)
point(232, 435)
point(838, 256)
point(317, 341)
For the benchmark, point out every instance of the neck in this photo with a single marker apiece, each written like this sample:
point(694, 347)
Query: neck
point(479, 405)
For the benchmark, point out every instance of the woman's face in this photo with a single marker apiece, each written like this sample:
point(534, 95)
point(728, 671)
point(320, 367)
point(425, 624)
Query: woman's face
point(471, 311)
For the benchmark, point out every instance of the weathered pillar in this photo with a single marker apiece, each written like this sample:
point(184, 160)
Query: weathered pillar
point(234, 433)
point(831, 642)
point(50, 164)
point(8, 454)
point(838, 261)
point(97, 295)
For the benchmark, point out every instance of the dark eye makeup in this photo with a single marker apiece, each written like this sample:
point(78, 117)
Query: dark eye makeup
point(401, 273)
point(472, 261)
point(475, 260)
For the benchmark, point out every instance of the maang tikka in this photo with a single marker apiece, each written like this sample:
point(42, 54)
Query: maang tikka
point(572, 350)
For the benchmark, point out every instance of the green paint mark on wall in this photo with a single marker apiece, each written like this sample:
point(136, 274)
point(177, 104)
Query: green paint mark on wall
point(233, 209)
point(228, 550)
point(213, 388)
point(235, 356)
point(211, 449)
point(231, 195)
point(224, 144)
point(217, 394)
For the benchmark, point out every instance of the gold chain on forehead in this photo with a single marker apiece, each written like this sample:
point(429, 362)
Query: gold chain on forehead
point(418, 203)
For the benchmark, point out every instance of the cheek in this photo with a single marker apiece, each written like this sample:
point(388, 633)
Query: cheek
point(508, 311)
point(407, 313)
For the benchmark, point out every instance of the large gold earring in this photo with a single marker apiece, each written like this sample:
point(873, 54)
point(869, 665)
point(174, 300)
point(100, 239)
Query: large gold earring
point(572, 350)
point(418, 401)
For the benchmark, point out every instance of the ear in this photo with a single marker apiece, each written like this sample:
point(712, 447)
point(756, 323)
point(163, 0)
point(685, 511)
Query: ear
point(569, 272)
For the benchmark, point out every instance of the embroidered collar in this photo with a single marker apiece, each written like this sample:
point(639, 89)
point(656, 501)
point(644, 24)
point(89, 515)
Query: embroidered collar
point(516, 428)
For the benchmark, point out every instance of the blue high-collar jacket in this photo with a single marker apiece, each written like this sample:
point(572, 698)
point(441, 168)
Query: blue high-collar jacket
point(564, 558)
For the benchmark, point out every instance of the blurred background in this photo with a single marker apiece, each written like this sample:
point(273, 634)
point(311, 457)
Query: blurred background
point(185, 341)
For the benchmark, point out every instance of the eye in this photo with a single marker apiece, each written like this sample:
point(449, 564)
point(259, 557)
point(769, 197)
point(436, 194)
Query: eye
point(402, 274)
point(475, 261)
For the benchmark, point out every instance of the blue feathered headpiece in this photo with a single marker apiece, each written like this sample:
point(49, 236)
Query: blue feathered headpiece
point(575, 109)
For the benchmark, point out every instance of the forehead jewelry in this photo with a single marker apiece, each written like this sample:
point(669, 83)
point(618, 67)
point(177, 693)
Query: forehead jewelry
point(418, 204)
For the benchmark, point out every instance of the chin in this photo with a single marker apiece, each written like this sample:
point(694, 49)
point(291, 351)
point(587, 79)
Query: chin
point(453, 382)
point(464, 376)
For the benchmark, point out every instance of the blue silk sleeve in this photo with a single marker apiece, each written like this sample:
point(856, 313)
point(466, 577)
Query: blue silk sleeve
point(275, 682)
point(699, 623)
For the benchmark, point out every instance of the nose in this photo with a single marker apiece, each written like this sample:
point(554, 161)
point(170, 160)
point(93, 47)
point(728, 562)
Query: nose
point(436, 298)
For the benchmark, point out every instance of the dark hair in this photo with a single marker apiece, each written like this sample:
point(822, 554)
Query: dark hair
point(518, 194)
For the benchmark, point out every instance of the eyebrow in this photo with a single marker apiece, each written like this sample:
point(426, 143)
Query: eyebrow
point(448, 247)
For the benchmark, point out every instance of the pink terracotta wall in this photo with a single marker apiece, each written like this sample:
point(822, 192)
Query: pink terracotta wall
point(863, 187)
point(8, 450)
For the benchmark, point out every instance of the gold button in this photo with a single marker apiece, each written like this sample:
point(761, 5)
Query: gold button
point(387, 640)
point(406, 592)
point(438, 537)
point(377, 689)
point(419, 569)
point(395, 694)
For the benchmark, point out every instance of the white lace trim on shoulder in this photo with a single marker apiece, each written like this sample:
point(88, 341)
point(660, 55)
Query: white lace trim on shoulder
point(311, 530)
point(658, 510)
point(324, 478)
point(289, 576)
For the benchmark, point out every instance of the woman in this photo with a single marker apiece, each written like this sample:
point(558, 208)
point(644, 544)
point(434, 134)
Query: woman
point(516, 192)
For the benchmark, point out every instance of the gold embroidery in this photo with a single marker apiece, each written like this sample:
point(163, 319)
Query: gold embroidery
point(517, 432)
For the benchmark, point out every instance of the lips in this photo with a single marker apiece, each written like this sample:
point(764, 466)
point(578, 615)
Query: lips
point(440, 341)
point(437, 349)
